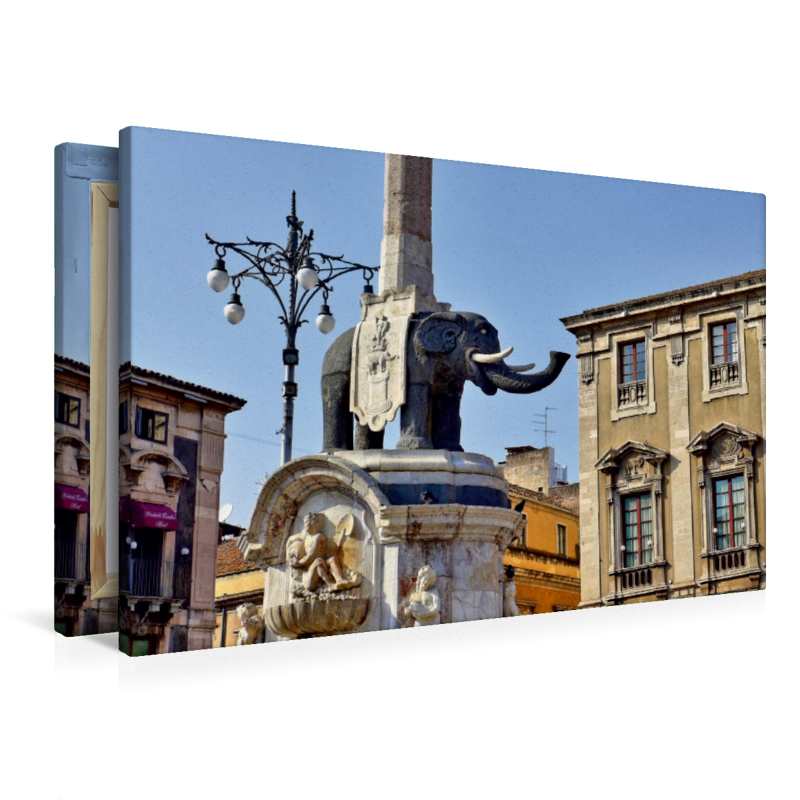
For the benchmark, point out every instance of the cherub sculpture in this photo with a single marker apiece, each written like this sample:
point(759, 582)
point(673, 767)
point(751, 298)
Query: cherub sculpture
point(423, 604)
point(315, 569)
point(251, 622)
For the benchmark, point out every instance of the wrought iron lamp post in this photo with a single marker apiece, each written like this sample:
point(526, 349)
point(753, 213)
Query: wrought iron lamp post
point(272, 264)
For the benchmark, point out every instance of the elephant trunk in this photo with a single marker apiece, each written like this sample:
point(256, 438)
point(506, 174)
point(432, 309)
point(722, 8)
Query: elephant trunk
point(505, 379)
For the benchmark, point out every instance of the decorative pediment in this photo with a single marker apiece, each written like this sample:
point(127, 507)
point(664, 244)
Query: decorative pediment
point(156, 470)
point(71, 453)
point(631, 459)
point(724, 441)
point(632, 467)
point(723, 447)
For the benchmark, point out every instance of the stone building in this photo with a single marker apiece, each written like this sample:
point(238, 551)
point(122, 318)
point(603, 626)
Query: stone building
point(672, 422)
point(75, 613)
point(546, 560)
point(172, 438)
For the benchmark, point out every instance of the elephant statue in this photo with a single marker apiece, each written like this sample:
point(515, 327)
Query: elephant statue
point(445, 349)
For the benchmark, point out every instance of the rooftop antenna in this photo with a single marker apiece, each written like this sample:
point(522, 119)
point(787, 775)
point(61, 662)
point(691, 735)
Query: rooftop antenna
point(545, 429)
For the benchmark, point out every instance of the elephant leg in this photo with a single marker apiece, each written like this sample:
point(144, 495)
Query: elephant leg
point(446, 422)
point(366, 439)
point(415, 419)
point(337, 421)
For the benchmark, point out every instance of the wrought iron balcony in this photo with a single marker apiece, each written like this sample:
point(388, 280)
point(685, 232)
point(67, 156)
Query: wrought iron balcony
point(154, 578)
point(71, 561)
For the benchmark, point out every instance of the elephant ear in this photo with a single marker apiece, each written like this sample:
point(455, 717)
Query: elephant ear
point(439, 332)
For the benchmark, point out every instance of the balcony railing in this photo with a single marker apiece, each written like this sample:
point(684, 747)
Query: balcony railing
point(71, 561)
point(154, 578)
point(636, 578)
point(727, 562)
point(723, 375)
point(631, 395)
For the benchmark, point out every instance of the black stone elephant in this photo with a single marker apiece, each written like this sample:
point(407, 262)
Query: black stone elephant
point(444, 350)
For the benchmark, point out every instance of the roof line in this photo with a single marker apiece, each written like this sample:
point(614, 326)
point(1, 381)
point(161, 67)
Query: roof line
point(697, 291)
point(177, 383)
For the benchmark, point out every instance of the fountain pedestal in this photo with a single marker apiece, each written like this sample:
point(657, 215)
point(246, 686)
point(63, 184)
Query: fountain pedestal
point(342, 540)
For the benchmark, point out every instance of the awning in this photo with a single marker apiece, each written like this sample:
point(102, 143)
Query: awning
point(147, 515)
point(71, 498)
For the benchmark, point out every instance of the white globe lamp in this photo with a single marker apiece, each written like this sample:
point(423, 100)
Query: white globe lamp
point(218, 278)
point(325, 320)
point(307, 275)
point(234, 311)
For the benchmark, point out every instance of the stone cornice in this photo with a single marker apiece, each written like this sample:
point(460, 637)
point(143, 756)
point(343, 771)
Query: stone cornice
point(547, 580)
point(189, 390)
point(449, 521)
point(232, 600)
point(738, 284)
point(541, 556)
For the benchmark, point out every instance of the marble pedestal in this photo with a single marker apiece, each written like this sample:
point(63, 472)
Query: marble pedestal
point(384, 515)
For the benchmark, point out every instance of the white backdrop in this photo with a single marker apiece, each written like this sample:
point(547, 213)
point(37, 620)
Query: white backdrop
point(678, 699)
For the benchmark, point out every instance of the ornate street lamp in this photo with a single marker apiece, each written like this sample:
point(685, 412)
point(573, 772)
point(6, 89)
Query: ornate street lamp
point(272, 264)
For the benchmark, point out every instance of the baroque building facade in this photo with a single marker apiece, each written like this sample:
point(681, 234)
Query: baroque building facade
point(672, 426)
point(546, 559)
point(76, 613)
point(172, 438)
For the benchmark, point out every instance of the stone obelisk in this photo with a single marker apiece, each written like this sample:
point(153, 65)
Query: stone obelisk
point(406, 251)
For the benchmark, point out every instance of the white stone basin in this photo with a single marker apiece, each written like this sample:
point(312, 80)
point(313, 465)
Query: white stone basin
point(317, 617)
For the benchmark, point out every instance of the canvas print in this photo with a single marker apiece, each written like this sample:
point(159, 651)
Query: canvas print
point(86, 247)
point(366, 392)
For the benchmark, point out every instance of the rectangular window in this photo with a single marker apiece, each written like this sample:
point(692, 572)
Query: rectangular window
point(729, 512)
point(68, 409)
point(123, 418)
point(724, 345)
point(633, 364)
point(151, 425)
point(638, 521)
point(561, 539)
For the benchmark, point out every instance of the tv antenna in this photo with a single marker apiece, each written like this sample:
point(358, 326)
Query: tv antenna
point(545, 429)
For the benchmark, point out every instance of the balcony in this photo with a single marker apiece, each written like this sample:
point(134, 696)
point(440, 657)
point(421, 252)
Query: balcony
point(71, 561)
point(154, 578)
point(723, 376)
point(639, 577)
point(645, 579)
point(733, 565)
point(631, 395)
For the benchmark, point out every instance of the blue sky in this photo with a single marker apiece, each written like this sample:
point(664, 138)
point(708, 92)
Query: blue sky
point(521, 246)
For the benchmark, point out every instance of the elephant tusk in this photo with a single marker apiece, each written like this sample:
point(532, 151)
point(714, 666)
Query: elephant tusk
point(491, 358)
point(520, 367)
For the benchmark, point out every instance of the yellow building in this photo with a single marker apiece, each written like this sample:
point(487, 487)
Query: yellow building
point(238, 582)
point(672, 425)
point(546, 561)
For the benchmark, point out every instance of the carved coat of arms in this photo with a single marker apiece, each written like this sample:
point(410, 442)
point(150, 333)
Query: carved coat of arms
point(378, 385)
